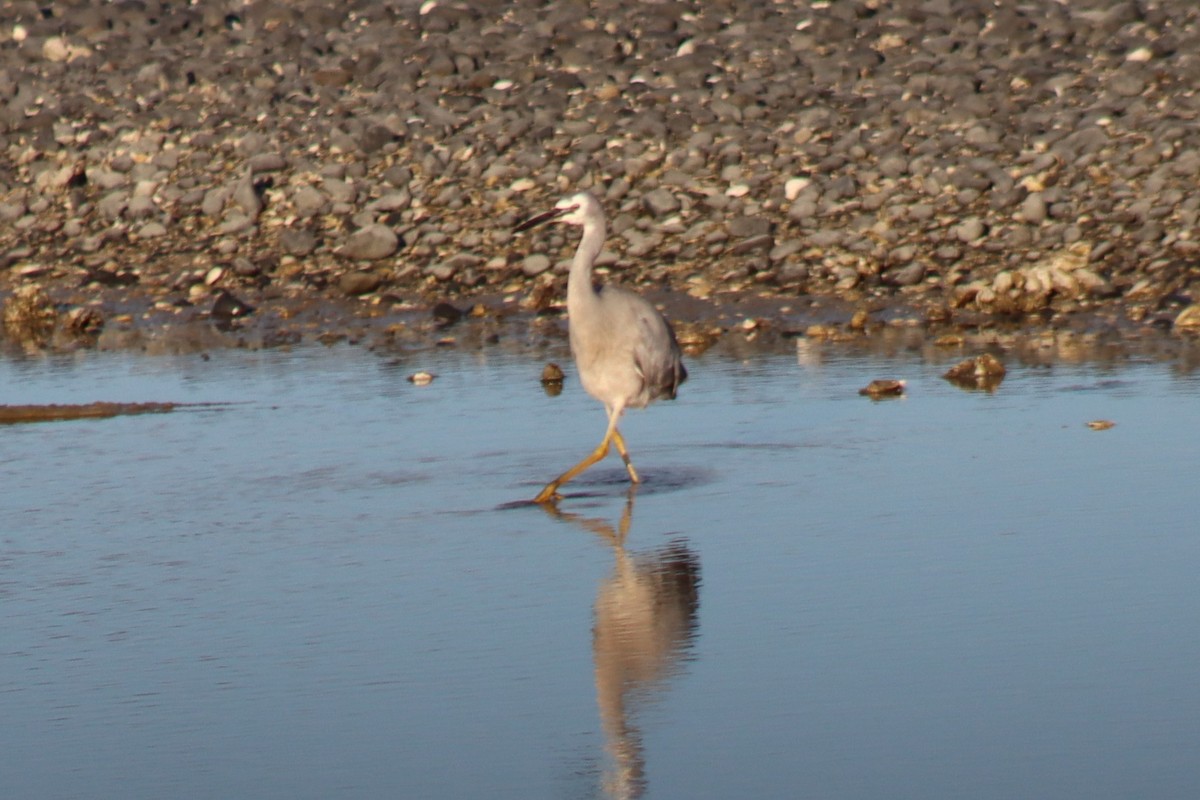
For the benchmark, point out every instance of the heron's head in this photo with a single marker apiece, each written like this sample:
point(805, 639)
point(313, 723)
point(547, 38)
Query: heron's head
point(574, 210)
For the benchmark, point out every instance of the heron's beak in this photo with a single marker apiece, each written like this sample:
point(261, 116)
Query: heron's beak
point(545, 216)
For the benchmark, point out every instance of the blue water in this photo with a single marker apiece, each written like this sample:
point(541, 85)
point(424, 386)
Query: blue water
point(318, 591)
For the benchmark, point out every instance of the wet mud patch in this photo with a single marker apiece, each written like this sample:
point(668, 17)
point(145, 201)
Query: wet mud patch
point(54, 412)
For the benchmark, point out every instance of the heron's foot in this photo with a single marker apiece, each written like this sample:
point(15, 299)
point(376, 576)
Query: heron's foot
point(633, 476)
point(548, 496)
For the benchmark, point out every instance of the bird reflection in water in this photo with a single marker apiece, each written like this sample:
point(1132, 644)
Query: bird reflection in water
point(645, 621)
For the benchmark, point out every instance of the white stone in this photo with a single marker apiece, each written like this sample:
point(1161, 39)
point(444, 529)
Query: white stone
point(794, 186)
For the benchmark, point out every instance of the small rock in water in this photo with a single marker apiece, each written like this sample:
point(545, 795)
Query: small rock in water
point(83, 321)
point(1189, 318)
point(227, 308)
point(109, 277)
point(445, 315)
point(421, 378)
point(1101, 424)
point(541, 298)
point(694, 337)
point(552, 380)
point(982, 372)
point(29, 314)
point(881, 388)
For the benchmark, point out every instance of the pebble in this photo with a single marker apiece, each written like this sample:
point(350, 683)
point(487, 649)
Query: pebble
point(112, 205)
point(1189, 318)
point(535, 264)
point(236, 222)
point(793, 186)
point(446, 314)
point(152, 230)
point(660, 202)
point(441, 270)
point(214, 201)
point(749, 226)
point(359, 283)
point(371, 243)
point(1033, 209)
point(970, 230)
point(803, 210)
point(29, 314)
point(308, 201)
point(139, 207)
point(226, 307)
point(857, 147)
point(981, 372)
point(297, 241)
point(266, 162)
point(245, 196)
point(908, 275)
point(883, 387)
point(753, 243)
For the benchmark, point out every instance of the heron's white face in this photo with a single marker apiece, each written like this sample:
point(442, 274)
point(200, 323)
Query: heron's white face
point(579, 209)
point(575, 208)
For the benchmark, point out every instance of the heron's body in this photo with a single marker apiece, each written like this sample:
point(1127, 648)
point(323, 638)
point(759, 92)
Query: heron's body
point(624, 371)
point(624, 348)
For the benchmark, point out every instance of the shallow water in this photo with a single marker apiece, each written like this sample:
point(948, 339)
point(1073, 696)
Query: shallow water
point(318, 590)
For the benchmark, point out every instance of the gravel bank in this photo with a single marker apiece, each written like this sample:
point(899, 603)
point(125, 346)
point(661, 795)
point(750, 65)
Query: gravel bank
point(297, 168)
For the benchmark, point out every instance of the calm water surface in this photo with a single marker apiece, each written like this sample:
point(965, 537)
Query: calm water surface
point(317, 592)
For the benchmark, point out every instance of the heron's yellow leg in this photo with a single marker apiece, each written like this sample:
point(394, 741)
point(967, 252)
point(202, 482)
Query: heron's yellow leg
point(619, 441)
point(548, 494)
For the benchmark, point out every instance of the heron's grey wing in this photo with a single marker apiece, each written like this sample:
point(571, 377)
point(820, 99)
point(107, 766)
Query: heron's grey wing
point(680, 370)
point(656, 355)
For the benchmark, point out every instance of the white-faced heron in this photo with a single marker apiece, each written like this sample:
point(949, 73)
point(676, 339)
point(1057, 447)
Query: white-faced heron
point(624, 349)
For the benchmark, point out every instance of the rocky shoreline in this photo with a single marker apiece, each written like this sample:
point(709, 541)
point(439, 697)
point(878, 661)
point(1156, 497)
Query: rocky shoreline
point(266, 173)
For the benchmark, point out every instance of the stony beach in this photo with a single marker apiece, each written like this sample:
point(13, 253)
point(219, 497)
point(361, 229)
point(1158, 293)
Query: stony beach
point(272, 172)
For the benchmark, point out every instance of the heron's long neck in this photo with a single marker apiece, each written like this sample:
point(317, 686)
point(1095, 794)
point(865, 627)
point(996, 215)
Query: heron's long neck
point(580, 290)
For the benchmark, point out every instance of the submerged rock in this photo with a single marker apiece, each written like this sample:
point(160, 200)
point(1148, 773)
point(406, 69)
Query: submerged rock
point(881, 388)
point(981, 372)
point(29, 315)
point(1188, 319)
point(552, 379)
point(226, 308)
point(421, 378)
